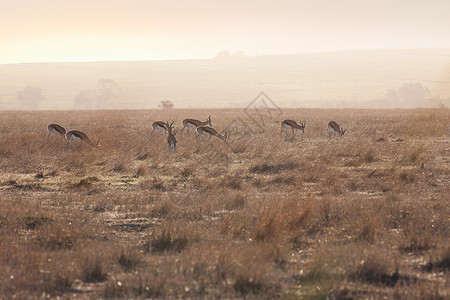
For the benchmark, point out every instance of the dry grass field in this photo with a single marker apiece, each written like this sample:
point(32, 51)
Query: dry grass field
point(363, 216)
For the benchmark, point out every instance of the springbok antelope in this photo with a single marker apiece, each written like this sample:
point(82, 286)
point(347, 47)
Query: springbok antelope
point(171, 139)
point(334, 127)
point(195, 123)
point(158, 125)
point(291, 124)
point(211, 132)
point(75, 135)
point(55, 129)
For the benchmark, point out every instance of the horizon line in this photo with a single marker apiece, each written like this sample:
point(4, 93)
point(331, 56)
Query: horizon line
point(231, 56)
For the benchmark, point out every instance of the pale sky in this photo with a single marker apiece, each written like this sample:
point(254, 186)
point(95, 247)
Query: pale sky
point(111, 30)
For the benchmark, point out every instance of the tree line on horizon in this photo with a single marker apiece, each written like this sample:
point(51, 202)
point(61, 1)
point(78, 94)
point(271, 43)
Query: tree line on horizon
point(408, 95)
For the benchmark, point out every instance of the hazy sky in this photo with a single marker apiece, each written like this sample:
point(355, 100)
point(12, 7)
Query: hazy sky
point(92, 30)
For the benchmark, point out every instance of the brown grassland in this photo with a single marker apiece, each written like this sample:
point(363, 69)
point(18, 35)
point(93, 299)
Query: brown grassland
point(363, 216)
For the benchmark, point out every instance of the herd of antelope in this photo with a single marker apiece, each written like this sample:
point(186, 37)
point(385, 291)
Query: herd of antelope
point(199, 126)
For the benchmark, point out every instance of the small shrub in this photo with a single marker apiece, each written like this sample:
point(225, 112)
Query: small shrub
point(272, 169)
point(406, 177)
point(100, 206)
point(268, 225)
point(127, 260)
point(93, 270)
point(369, 157)
point(31, 222)
point(245, 284)
point(375, 268)
point(154, 184)
point(237, 202)
point(232, 182)
point(166, 240)
point(143, 156)
point(258, 183)
point(325, 210)
point(417, 239)
point(86, 183)
point(163, 208)
point(441, 263)
point(368, 229)
point(141, 171)
point(187, 172)
point(283, 179)
point(119, 167)
point(322, 271)
point(57, 236)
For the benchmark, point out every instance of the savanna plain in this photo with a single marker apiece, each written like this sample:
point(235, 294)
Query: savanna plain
point(265, 217)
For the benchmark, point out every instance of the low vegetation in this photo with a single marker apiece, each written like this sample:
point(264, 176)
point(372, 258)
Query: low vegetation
point(362, 216)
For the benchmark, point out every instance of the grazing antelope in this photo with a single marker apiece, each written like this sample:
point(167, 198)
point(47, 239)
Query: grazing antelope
point(211, 132)
point(158, 125)
point(291, 124)
point(334, 127)
point(75, 135)
point(195, 123)
point(171, 139)
point(55, 129)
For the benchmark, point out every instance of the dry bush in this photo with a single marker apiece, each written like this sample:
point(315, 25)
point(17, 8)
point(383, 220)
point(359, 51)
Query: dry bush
point(441, 261)
point(281, 219)
point(378, 267)
point(163, 208)
point(232, 182)
point(155, 184)
point(142, 170)
point(237, 225)
point(168, 238)
point(370, 156)
point(327, 269)
point(416, 156)
point(268, 224)
point(417, 238)
point(237, 202)
point(248, 269)
point(188, 172)
point(368, 228)
point(93, 270)
point(128, 259)
point(272, 169)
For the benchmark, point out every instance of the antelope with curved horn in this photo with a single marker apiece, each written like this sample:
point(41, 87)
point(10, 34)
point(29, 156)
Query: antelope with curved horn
point(171, 139)
point(75, 135)
point(55, 129)
point(206, 130)
point(194, 123)
point(334, 127)
point(159, 125)
point(291, 124)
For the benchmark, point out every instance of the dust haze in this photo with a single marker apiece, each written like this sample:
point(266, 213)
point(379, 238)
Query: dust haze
point(408, 78)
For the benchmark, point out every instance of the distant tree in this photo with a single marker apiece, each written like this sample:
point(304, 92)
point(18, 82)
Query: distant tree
point(413, 94)
point(165, 104)
point(239, 53)
point(388, 100)
point(224, 53)
point(30, 97)
point(408, 95)
point(85, 99)
point(439, 102)
point(107, 89)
